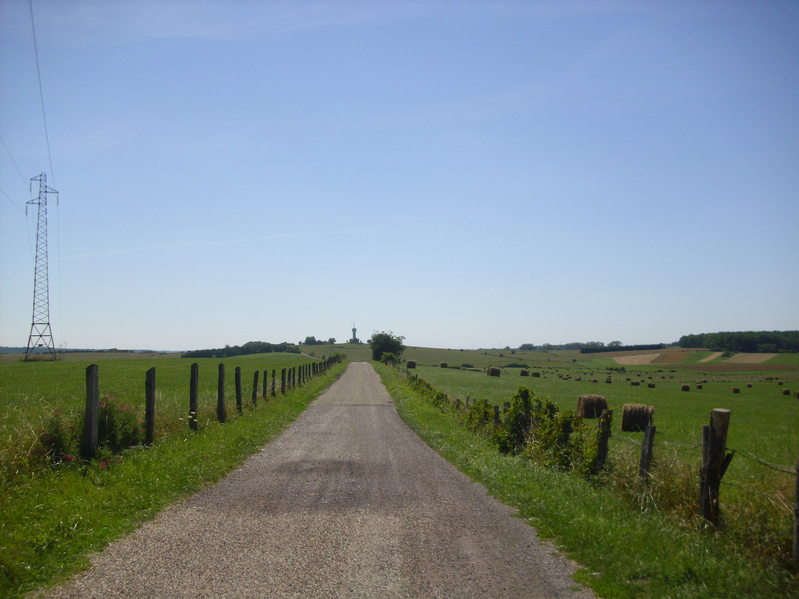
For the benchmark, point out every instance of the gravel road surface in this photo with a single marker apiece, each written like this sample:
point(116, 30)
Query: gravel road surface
point(348, 502)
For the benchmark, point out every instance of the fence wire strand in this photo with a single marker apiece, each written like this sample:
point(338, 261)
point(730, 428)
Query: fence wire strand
point(750, 456)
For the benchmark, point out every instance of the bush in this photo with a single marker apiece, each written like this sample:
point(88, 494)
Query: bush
point(517, 422)
point(390, 358)
point(57, 442)
point(558, 438)
point(118, 427)
point(479, 414)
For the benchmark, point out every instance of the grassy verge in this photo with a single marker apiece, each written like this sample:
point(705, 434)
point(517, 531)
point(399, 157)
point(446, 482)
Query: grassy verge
point(50, 522)
point(624, 553)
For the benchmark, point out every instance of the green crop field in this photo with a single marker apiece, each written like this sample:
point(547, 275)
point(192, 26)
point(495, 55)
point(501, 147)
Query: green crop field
point(30, 392)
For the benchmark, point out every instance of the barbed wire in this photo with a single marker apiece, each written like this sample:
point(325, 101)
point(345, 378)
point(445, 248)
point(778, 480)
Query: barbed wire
point(750, 456)
point(682, 445)
point(627, 439)
point(665, 443)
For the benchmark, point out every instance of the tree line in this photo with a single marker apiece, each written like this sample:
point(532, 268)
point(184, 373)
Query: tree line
point(251, 347)
point(744, 341)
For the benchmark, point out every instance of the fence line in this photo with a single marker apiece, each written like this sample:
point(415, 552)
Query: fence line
point(716, 457)
point(90, 439)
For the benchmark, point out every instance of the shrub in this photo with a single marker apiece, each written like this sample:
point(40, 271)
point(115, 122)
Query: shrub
point(557, 439)
point(118, 427)
point(57, 442)
point(517, 422)
point(389, 358)
point(478, 414)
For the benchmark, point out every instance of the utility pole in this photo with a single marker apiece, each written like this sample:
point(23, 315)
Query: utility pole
point(40, 339)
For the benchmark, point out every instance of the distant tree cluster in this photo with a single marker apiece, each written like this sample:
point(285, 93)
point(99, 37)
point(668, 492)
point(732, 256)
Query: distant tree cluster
point(744, 341)
point(595, 345)
point(251, 347)
point(386, 343)
point(609, 347)
point(314, 341)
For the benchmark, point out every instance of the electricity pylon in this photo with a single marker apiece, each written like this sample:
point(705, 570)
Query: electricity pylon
point(40, 339)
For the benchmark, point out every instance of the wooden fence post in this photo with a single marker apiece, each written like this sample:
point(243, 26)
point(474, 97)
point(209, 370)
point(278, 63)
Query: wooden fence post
point(282, 381)
point(496, 415)
point(149, 407)
point(255, 387)
point(646, 453)
point(274, 383)
point(796, 520)
point(238, 388)
point(263, 394)
point(602, 436)
point(715, 461)
point(194, 382)
point(221, 416)
point(92, 414)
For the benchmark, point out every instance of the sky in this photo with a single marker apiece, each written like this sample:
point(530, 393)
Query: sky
point(464, 174)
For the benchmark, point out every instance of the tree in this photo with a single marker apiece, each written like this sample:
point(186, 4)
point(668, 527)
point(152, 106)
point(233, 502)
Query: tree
point(614, 344)
point(332, 340)
point(386, 341)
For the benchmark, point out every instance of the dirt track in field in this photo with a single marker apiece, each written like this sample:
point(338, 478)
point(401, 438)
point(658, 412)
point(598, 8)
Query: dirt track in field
point(348, 502)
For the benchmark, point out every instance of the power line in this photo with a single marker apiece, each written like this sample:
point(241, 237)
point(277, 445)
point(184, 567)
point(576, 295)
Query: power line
point(17, 206)
point(41, 93)
point(14, 162)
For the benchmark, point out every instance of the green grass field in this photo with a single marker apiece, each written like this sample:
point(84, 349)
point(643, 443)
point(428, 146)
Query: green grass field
point(30, 392)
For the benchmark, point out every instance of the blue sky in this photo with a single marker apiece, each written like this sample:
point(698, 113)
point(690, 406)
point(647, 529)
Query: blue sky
point(466, 174)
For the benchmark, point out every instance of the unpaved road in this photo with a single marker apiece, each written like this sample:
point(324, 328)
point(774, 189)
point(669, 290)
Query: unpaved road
point(348, 502)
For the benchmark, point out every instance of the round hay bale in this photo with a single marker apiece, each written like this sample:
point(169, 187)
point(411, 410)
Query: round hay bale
point(736, 390)
point(699, 386)
point(748, 385)
point(444, 365)
point(494, 371)
point(524, 373)
point(688, 387)
point(608, 381)
point(635, 383)
point(591, 406)
point(786, 391)
point(535, 375)
point(636, 417)
point(650, 385)
point(411, 364)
